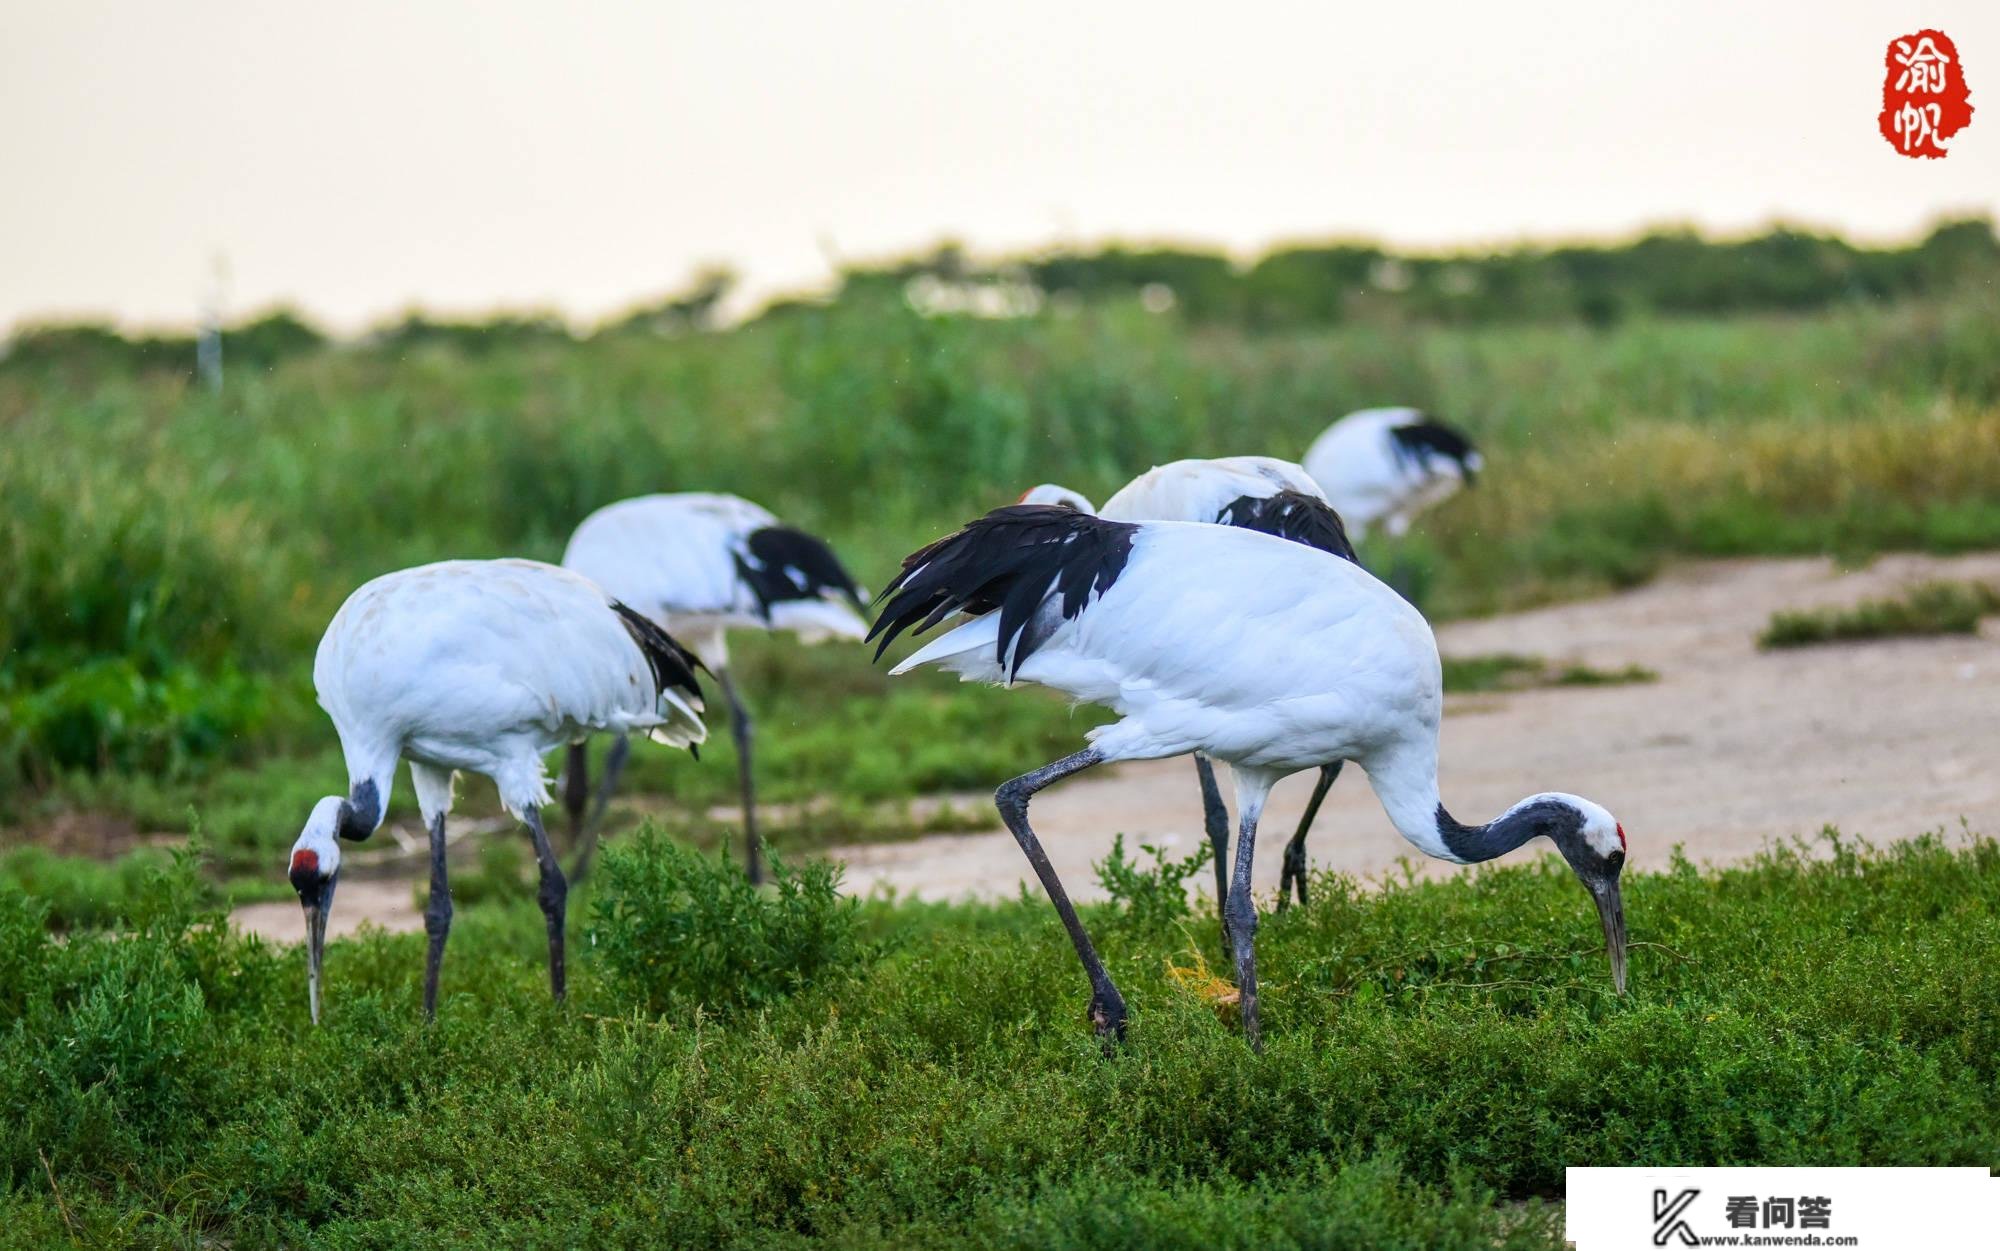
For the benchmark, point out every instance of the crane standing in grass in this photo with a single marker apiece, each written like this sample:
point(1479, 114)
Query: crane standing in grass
point(484, 666)
point(1270, 655)
point(1258, 493)
point(701, 565)
point(1383, 466)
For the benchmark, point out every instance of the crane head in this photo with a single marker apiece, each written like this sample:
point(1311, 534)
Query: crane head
point(1059, 495)
point(1594, 845)
point(314, 872)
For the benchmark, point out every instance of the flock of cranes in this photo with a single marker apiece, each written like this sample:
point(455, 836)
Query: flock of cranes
point(1217, 606)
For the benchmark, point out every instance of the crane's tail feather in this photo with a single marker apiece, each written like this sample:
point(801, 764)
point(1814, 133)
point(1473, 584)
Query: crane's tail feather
point(816, 620)
point(966, 649)
point(1007, 563)
point(780, 564)
point(1422, 439)
point(1291, 515)
point(674, 682)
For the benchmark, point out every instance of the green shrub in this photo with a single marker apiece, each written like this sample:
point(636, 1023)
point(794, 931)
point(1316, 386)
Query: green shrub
point(677, 927)
point(1929, 608)
point(75, 892)
point(1149, 898)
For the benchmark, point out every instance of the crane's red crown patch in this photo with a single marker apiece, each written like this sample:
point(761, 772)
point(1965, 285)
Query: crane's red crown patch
point(307, 861)
point(1924, 97)
point(1621, 834)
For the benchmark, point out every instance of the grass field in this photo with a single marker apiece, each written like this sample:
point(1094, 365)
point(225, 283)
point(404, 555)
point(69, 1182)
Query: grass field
point(176, 553)
point(737, 1069)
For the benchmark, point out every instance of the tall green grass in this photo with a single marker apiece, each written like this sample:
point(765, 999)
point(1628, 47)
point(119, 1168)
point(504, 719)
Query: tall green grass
point(1432, 1047)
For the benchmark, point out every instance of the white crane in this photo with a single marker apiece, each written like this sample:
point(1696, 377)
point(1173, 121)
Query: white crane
point(1259, 493)
point(1383, 466)
point(483, 666)
point(1270, 655)
point(700, 565)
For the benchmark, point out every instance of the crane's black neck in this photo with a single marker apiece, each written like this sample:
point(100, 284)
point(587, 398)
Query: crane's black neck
point(361, 811)
point(1475, 843)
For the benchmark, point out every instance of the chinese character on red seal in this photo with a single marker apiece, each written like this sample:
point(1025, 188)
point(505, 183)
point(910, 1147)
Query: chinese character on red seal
point(1924, 97)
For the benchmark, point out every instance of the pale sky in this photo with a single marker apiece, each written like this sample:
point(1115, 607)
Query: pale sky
point(359, 158)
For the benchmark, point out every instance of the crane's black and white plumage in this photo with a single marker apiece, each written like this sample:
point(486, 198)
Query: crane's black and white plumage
point(484, 666)
point(1383, 466)
point(700, 565)
point(1267, 654)
point(1261, 493)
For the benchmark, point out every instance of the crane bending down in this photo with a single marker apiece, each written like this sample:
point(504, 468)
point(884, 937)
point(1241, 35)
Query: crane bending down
point(700, 565)
point(1259, 493)
point(1383, 466)
point(1270, 655)
point(483, 666)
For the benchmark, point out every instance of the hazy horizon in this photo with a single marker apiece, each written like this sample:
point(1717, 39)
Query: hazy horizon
point(469, 158)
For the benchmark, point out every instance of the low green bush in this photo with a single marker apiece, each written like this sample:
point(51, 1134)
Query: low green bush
point(1150, 897)
point(676, 927)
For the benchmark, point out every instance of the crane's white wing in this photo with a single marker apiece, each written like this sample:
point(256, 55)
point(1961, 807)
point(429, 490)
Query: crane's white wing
point(1372, 473)
point(1202, 637)
point(486, 665)
point(1199, 490)
point(671, 556)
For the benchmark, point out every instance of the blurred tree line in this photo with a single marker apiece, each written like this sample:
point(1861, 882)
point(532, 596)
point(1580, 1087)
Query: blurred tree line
point(1664, 273)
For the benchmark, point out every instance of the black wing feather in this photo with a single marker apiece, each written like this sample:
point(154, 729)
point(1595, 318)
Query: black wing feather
point(673, 666)
point(1010, 561)
point(1421, 440)
point(787, 564)
point(1291, 515)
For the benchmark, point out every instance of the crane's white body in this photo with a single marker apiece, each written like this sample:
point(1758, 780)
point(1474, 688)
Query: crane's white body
point(1370, 481)
point(484, 666)
point(674, 558)
point(1267, 654)
point(1198, 490)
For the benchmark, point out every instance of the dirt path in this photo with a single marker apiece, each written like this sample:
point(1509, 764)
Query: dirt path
point(1729, 749)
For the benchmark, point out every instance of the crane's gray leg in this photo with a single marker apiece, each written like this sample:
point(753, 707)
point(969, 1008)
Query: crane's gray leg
point(1107, 1006)
point(554, 898)
point(1294, 870)
point(1216, 818)
point(739, 729)
point(614, 766)
point(1242, 912)
point(576, 789)
point(437, 919)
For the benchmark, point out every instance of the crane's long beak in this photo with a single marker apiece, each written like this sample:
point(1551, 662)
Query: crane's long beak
point(317, 908)
point(1611, 911)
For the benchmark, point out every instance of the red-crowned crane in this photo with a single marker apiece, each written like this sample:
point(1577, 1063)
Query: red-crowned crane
point(701, 565)
point(483, 666)
point(1259, 493)
point(1270, 655)
point(1383, 466)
